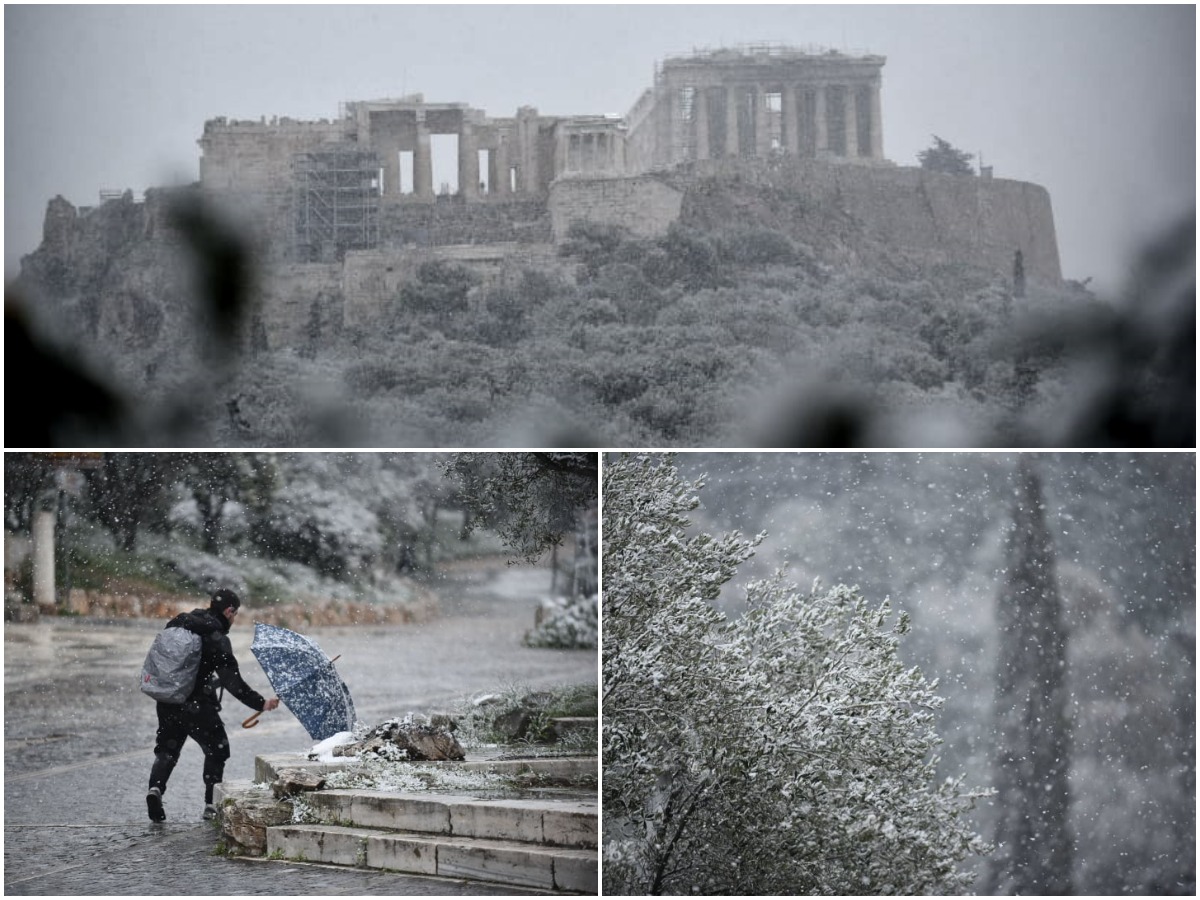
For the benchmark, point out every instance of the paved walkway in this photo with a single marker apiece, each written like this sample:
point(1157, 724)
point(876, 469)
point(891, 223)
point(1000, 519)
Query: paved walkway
point(79, 737)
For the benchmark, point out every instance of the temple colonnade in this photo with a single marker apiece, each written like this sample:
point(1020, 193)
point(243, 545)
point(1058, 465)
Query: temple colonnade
point(398, 129)
point(757, 119)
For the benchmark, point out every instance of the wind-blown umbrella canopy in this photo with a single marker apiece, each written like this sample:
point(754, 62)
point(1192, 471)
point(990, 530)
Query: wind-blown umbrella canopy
point(304, 679)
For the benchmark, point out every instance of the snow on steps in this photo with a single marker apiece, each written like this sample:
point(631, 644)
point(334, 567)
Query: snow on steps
point(481, 859)
point(268, 766)
point(534, 842)
point(545, 844)
point(560, 823)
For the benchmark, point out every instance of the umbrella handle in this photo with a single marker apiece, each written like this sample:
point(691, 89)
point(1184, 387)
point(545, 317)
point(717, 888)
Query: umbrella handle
point(252, 721)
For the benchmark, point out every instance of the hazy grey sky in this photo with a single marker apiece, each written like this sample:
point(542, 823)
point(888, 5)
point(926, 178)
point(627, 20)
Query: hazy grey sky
point(1096, 103)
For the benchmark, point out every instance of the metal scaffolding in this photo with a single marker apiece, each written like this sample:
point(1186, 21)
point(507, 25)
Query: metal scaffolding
point(336, 202)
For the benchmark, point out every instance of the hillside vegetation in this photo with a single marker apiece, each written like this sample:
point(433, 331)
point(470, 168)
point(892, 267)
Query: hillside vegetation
point(750, 322)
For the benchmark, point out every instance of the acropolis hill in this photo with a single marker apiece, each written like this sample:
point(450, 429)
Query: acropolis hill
point(344, 209)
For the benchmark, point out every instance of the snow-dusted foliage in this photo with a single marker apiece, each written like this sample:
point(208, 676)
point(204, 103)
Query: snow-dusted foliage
point(323, 528)
point(531, 499)
point(205, 571)
point(568, 623)
point(787, 751)
point(534, 501)
point(341, 513)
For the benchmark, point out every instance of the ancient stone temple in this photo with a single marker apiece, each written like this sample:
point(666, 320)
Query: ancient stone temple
point(759, 101)
point(750, 101)
point(370, 177)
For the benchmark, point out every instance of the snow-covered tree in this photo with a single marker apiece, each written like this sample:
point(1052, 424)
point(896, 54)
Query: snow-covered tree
point(945, 157)
point(215, 480)
point(130, 492)
point(787, 751)
point(332, 532)
point(1033, 751)
point(532, 500)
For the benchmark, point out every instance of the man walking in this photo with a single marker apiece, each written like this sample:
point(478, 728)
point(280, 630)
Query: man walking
point(199, 716)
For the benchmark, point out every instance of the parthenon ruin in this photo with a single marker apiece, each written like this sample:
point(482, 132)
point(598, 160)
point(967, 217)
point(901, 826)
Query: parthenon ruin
point(759, 101)
point(340, 184)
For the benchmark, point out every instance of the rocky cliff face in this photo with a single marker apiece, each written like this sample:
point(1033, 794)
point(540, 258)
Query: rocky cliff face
point(113, 277)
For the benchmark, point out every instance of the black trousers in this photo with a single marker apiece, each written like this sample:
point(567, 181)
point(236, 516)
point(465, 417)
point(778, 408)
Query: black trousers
point(176, 723)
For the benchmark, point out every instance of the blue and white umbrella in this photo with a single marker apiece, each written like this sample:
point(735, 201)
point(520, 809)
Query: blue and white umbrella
point(304, 679)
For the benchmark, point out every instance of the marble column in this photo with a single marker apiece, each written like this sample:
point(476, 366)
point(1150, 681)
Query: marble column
point(498, 169)
point(876, 122)
point(391, 168)
point(700, 114)
point(524, 154)
point(468, 162)
point(762, 127)
point(44, 591)
point(422, 162)
point(819, 122)
point(850, 111)
point(731, 121)
point(790, 121)
point(562, 151)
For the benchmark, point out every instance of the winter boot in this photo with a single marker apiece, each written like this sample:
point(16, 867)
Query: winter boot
point(154, 805)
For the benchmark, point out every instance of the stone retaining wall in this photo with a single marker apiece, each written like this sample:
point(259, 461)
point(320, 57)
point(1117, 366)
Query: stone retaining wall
point(645, 205)
point(322, 612)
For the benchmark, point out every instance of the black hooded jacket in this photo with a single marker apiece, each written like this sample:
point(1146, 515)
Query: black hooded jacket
point(218, 666)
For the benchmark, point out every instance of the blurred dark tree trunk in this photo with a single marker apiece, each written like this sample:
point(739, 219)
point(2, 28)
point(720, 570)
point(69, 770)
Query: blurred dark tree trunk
point(1033, 840)
point(217, 478)
point(130, 492)
point(26, 477)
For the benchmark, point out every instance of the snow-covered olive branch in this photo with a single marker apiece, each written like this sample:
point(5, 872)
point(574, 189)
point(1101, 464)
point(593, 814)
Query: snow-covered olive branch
point(791, 733)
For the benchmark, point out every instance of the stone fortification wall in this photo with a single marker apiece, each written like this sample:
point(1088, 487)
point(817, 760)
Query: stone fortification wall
point(300, 302)
point(371, 279)
point(646, 205)
point(256, 157)
point(248, 166)
point(451, 221)
point(845, 212)
point(929, 217)
point(850, 211)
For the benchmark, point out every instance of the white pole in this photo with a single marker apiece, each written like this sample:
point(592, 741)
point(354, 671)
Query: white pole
point(43, 557)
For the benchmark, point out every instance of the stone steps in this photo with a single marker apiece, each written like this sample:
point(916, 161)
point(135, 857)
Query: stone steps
point(560, 823)
point(524, 840)
point(513, 863)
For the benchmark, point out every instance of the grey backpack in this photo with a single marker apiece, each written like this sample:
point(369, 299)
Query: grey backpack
point(169, 673)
